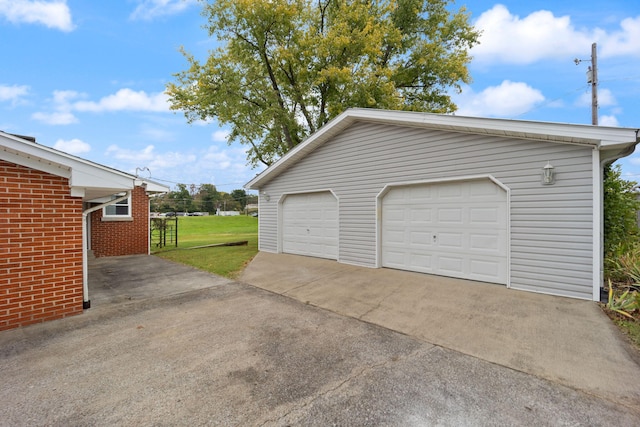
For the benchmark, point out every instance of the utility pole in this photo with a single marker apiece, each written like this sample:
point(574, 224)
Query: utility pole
point(592, 77)
point(594, 85)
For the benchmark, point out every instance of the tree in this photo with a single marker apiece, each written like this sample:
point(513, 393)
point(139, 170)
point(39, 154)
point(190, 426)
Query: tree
point(284, 68)
point(208, 195)
point(181, 198)
point(240, 196)
point(620, 212)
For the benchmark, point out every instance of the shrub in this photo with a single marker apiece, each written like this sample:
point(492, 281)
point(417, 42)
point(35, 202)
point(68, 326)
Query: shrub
point(627, 303)
point(620, 213)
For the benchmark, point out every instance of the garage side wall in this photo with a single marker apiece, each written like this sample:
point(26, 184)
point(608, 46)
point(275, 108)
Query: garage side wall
point(122, 236)
point(551, 225)
point(40, 247)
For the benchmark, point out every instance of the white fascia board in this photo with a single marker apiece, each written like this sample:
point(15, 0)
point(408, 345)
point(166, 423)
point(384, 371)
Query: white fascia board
point(152, 186)
point(546, 131)
point(594, 136)
point(28, 149)
point(85, 177)
point(34, 162)
point(334, 126)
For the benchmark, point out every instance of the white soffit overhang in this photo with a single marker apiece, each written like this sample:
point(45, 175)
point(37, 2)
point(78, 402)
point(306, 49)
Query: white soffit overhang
point(598, 137)
point(87, 179)
point(152, 187)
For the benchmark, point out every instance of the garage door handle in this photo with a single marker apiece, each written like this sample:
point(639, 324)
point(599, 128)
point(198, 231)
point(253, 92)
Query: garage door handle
point(435, 238)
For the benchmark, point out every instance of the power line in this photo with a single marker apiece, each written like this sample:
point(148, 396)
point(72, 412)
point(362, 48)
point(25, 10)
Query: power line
point(551, 101)
point(183, 183)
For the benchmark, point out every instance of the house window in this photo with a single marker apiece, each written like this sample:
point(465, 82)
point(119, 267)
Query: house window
point(121, 209)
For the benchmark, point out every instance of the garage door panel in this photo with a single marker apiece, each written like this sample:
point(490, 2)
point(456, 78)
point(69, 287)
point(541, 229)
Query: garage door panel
point(449, 191)
point(490, 244)
point(310, 225)
point(457, 229)
point(452, 215)
point(484, 215)
point(423, 260)
point(484, 242)
point(484, 193)
point(420, 215)
point(422, 238)
point(396, 215)
point(454, 241)
point(485, 268)
point(451, 265)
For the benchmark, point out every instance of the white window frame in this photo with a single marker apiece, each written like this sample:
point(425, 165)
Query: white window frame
point(126, 202)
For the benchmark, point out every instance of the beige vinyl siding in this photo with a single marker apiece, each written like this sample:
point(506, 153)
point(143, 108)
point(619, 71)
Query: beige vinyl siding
point(551, 226)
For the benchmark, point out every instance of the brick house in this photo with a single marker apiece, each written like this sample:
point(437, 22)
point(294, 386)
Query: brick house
point(54, 208)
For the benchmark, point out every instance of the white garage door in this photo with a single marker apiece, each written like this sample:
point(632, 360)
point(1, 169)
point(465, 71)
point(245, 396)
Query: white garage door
point(310, 225)
point(456, 229)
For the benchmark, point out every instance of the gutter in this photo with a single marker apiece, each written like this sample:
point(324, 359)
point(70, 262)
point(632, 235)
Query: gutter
point(86, 302)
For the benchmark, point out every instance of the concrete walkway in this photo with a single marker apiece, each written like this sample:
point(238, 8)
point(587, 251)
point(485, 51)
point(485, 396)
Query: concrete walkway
point(567, 341)
point(117, 280)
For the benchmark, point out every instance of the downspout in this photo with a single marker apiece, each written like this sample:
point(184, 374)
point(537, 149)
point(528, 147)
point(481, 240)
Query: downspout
point(86, 302)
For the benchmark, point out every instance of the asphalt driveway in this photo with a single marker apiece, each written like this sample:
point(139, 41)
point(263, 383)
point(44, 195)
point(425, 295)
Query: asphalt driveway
point(232, 354)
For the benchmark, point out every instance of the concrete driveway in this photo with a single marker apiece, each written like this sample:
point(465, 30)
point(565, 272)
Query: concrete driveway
point(568, 341)
point(228, 353)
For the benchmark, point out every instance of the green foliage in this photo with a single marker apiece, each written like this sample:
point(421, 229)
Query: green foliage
point(626, 303)
point(180, 199)
point(631, 328)
point(208, 196)
point(620, 213)
point(622, 265)
point(201, 198)
point(240, 196)
point(286, 67)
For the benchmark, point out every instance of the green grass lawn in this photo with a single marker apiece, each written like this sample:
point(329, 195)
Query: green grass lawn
point(227, 261)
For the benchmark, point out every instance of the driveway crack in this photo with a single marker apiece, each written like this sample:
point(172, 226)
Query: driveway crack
point(377, 306)
point(352, 376)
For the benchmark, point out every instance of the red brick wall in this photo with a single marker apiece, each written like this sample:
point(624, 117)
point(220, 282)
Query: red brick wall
point(114, 238)
point(40, 247)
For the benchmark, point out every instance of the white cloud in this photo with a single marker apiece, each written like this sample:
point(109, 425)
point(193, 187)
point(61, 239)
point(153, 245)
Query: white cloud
point(55, 118)
point(608, 121)
point(13, 93)
point(126, 100)
point(64, 97)
point(221, 135)
point(218, 159)
point(130, 155)
point(153, 133)
point(65, 102)
point(224, 167)
point(623, 42)
point(72, 146)
point(509, 99)
point(62, 114)
point(53, 14)
point(508, 38)
point(150, 158)
point(151, 9)
point(605, 99)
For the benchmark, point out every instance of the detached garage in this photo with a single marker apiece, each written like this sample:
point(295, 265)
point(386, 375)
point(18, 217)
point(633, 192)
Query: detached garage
point(509, 202)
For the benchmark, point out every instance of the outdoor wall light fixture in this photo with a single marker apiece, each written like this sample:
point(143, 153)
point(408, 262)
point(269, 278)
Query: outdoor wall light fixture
point(548, 174)
point(266, 196)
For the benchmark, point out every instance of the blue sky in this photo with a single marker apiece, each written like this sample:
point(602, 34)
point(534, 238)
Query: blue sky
point(87, 77)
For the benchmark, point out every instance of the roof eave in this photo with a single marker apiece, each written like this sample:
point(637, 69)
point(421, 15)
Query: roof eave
point(596, 137)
